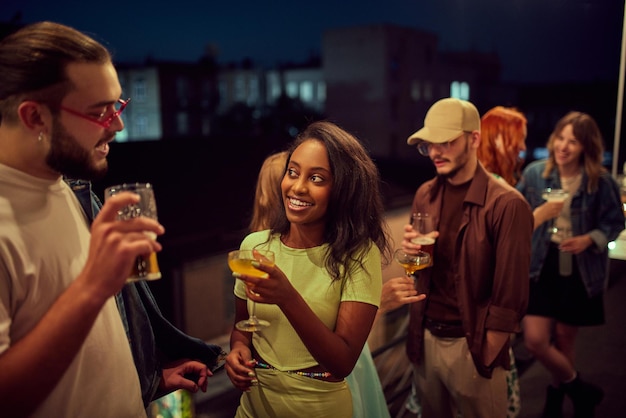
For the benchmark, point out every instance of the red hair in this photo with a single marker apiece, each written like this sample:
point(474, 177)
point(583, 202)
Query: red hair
point(503, 137)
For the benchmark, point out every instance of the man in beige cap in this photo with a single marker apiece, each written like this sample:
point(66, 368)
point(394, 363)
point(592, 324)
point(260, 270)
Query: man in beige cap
point(477, 287)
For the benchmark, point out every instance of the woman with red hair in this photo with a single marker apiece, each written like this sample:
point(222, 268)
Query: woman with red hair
point(503, 133)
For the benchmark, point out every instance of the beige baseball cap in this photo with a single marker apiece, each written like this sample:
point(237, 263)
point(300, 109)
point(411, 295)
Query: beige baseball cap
point(446, 120)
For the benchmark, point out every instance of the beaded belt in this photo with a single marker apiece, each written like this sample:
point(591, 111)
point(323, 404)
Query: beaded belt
point(315, 375)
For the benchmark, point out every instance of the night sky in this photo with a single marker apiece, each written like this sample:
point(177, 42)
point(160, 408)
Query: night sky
point(538, 40)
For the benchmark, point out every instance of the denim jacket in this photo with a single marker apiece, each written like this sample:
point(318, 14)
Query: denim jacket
point(153, 339)
point(598, 214)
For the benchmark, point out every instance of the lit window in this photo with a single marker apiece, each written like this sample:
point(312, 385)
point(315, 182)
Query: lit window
point(122, 136)
point(321, 91)
point(465, 91)
point(292, 89)
point(460, 90)
point(141, 125)
point(306, 91)
point(273, 87)
point(540, 153)
point(275, 91)
point(139, 90)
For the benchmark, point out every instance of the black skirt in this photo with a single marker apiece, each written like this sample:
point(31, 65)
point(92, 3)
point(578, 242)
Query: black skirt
point(563, 298)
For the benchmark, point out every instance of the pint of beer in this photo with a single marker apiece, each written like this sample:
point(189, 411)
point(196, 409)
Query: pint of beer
point(145, 266)
point(428, 245)
point(423, 224)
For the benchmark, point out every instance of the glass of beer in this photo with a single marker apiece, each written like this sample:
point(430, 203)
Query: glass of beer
point(412, 262)
point(145, 266)
point(423, 224)
point(240, 261)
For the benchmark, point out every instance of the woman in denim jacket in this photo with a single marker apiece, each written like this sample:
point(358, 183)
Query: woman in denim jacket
point(578, 229)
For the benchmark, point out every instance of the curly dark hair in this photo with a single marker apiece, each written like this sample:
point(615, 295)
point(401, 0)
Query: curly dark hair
point(355, 210)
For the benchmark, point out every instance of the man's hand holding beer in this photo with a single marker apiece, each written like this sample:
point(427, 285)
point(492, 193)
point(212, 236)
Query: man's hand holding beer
point(409, 245)
point(115, 245)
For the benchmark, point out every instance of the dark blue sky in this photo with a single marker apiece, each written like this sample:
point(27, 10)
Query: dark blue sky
point(538, 40)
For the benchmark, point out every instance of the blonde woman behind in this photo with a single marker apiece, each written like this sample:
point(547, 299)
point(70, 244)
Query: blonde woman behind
point(267, 198)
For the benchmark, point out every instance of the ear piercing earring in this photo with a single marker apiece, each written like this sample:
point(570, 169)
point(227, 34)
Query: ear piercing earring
point(40, 137)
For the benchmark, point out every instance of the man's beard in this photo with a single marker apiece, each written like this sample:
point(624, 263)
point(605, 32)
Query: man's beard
point(67, 157)
point(460, 162)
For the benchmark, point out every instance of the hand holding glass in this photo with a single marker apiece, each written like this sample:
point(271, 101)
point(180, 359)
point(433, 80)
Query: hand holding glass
point(412, 262)
point(146, 266)
point(240, 261)
point(423, 224)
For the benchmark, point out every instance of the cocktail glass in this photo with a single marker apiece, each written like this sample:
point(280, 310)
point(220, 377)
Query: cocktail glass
point(240, 261)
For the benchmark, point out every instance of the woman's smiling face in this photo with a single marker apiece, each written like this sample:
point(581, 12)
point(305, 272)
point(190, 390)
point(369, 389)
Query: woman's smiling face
point(307, 184)
point(567, 148)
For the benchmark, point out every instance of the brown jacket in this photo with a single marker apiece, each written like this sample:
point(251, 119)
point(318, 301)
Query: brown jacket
point(491, 267)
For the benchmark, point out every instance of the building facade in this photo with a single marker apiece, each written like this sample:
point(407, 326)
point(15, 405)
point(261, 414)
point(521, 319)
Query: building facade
point(376, 81)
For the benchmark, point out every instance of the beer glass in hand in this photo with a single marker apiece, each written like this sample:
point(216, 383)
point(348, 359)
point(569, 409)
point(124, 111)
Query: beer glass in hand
point(412, 262)
point(240, 261)
point(423, 224)
point(145, 266)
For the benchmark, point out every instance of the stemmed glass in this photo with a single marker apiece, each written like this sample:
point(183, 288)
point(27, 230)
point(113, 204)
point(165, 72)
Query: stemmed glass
point(240, 261)
point(412, 262)
point(554, 195)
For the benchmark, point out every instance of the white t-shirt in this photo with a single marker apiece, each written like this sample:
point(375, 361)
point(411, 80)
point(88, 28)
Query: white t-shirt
point(44, 242)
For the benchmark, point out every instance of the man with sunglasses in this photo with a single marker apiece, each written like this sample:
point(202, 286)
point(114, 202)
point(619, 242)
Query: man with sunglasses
point(477, 287)
point(66, 317)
